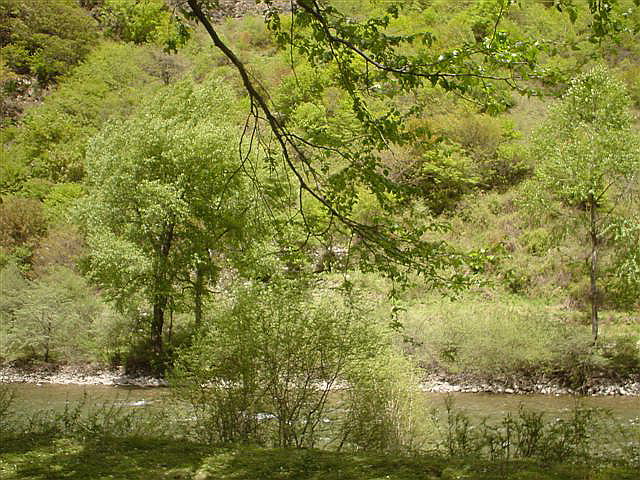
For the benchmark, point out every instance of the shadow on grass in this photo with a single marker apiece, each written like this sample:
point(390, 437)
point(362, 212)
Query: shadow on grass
point(152, 458)
point(280, 464)
point(131, 458)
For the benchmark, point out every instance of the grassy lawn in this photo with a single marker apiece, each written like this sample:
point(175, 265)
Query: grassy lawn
point(143, 458)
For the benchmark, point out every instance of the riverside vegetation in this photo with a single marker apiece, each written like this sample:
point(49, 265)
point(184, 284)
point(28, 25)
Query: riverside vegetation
point(115, 441)
point(390, 219)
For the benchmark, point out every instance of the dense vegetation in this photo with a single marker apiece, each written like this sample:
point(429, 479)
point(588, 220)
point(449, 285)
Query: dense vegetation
point(260, 242)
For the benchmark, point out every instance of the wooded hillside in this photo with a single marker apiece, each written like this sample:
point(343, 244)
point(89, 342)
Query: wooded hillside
point(463, 176)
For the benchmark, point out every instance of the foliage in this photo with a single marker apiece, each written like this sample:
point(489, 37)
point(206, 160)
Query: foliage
point(45, 38)
point(383, 405)
point(167, 206)
point(62, 246)
point(480, 335)
point(623, 274)
point(141, 22)
point(587, 145)
point(509, 339)
point(587, 153)
point(60, 202)
point(49, 318)
point(528, 434)
point(21, 220)
point(264, 368)
point(22, 223)
point(51, 140)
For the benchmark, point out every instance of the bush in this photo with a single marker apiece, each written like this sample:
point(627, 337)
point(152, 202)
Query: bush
point(382, 405)
point(623, 355)
point(22, 223)
point(575, 360)
point(263, 369)
point(45, 38)
point(486, 337)
point(49, 319)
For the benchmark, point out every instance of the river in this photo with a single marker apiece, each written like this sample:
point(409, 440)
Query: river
point(31, 397)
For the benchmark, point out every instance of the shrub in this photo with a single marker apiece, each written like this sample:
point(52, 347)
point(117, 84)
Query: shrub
point(263, 368)
point(45, 38)
point(382, 405)
point(50, 318)
point(575, 360)
point(487, 337)
point(22, 223)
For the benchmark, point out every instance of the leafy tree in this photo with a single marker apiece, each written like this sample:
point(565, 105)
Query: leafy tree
point(49, 318)
point(372, 59)
point(167, 205)
point(588, 153)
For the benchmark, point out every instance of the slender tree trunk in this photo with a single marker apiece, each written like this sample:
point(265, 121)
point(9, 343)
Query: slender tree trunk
point(157, 324)
point(593, 270)
point(198, 288)
point(170, 336)
point(47, 338)
point(161, 297)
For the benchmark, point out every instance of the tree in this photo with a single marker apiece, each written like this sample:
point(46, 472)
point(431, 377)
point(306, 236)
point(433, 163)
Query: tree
point(372, 61)
point(587, 154)
point(49, 318)
point(167, 205)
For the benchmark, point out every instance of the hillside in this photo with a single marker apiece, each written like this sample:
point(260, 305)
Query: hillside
point(89, 88)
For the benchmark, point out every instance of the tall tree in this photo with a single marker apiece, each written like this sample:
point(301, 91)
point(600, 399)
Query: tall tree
point(166, 204)
point(588, 154)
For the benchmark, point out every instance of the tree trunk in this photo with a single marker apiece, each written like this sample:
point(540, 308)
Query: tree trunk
point(157, 324)
point(593, 269)
point(47, 338)
point(161, 297)
point(198, 288)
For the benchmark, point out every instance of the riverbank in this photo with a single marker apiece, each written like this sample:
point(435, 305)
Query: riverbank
point(432, 383)
point(463, 383)
point(77, 375)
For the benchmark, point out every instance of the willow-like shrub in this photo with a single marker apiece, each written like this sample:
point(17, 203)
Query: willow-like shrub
point(280, 365)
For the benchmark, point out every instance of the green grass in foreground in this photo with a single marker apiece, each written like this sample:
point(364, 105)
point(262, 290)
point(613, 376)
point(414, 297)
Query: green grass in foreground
point(43, 457)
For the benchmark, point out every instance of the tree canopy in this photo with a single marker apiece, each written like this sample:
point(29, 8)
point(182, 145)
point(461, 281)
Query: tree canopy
point(166, 205)
point(587, 155)
point(372, 59)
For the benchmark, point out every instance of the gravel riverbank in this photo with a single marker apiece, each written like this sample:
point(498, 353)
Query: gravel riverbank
point(433, 383)
point(439, 383)
point(68, 375)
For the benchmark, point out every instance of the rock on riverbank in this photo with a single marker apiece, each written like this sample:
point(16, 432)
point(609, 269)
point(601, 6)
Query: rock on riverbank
point(69, 375)
point(439, 383)
point(433, 383)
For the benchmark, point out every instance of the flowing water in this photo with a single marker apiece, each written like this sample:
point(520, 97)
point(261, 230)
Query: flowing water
point(30, 397)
